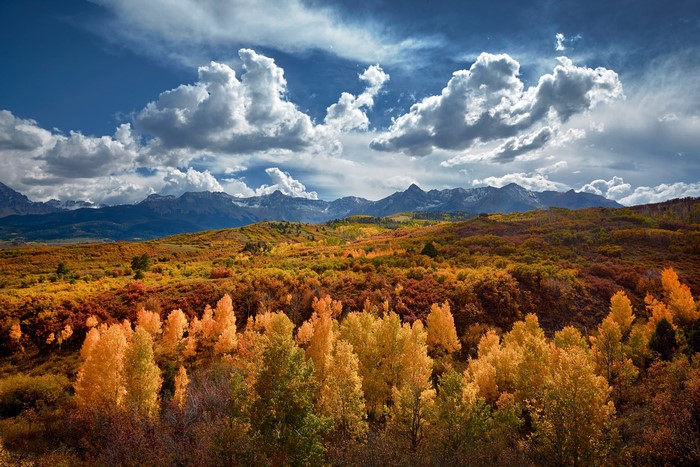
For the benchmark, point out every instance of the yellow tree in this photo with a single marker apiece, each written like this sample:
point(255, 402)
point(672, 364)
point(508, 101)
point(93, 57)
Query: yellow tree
point(100, 382)
point(341, 392)
point(225, 326)
point(442, 335)
point(573, 424)
point(174, 330)
point(414, 399)
point(323, 335)
point(181, 383)
point(150, 321)
point(678, 299)
point(142, 375)
point(527, 344)
point(359, 330)
point(608, 347)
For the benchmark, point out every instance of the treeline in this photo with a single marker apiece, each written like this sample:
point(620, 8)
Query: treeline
point(365, 388)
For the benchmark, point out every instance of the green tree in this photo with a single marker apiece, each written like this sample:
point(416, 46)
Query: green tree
point(283, 406)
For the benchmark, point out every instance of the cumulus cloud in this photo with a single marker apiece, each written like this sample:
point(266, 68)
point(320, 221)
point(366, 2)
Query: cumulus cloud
point(349, 113)
point(659, 193)
point(615, 188)
point(285, 183)
point(179, 29)
point(178, 182)
point(533, 181)
point(19, 134)
point(622, 192)
point(489, 102)
point(222, 113)
point(80, 156)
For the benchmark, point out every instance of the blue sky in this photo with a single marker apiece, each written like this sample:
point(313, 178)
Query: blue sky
point(112, 100)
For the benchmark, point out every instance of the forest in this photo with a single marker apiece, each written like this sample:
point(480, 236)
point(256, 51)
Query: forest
point(552, 337)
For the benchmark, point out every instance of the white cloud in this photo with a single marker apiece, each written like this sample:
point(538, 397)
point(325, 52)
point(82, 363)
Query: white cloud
point(180, 29)
point(80, 156)
point(622, 192)
point(285, 183)
point(178, 182)
point(19, 134)
point(559, 46)
point(488, 102)
point(222, 113)
point(615, 188)
point(532, 181)
point(349, 112)
point(662, 192)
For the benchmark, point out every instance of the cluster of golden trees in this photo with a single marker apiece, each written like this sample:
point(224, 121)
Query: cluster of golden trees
point(293, 388)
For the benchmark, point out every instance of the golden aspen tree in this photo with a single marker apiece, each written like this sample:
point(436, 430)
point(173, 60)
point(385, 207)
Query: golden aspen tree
point(149, 321)
point(142, 375)
point(304, 333)
point(341, 392)
point(411, 413)
point(91, 339)
point(182, 381)
point(100, 382)
point(679, 299)
point(224, 317)
point(91, 321)
point(442, 335)
point(494, 370)
point(658, 311)
point(358, 329)
point(527, 341)
point(573, 424)
point(208, 327)
point(621, 311)
point(323, 337)
point(607, 347)
point(173, 331)
point(569, 336)
point(194, 331)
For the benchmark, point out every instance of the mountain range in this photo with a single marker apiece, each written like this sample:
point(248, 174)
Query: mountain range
point(159, 215)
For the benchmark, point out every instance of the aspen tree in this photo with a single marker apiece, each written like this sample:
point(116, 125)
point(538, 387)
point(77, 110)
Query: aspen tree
point(173, 331)
point(100, 382)
point(150, 321)
point(341, 393)
point(414, 399)
point(142, 375)
point(442, 335)
point(182, 381)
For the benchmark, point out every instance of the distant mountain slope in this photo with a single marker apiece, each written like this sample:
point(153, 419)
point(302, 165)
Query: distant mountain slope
point(510, 198)
point(13, 202)
point(158, 215)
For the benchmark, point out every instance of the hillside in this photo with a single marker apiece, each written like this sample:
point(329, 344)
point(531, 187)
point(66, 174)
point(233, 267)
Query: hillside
point(488, 319)
point(563, 265)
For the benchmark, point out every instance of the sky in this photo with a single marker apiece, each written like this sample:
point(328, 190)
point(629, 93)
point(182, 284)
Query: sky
point(110, 101)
